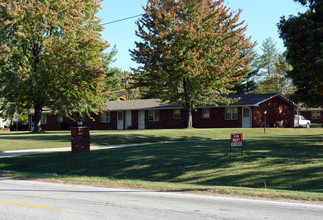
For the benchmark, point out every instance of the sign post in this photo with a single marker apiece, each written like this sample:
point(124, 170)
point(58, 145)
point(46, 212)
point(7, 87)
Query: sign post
point(236, 141)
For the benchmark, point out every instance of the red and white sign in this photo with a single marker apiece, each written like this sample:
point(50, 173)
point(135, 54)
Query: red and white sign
point(236, 140)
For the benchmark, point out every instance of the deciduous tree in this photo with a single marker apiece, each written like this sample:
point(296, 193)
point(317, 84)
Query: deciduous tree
point(190, 51)
point(303, 37)
point(50, 55)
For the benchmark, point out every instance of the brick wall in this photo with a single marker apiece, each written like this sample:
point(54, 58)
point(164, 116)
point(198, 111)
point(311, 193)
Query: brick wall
point(80, 139)
point(97, 125)
point(308, 116)
point(134, 119)
point(216, 120)
point(279, 113)
point(166, 120)
point(53, 124)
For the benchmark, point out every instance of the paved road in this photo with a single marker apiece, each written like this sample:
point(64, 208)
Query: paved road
point(38, 200)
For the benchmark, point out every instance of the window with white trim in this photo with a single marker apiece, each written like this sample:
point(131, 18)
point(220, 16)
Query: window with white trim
point(153, 115)
point(177, 114)
point(59, 118)
point(316, 115)
point(44, 119)
point(231, 113)
point(105, 117)
point(205, 113)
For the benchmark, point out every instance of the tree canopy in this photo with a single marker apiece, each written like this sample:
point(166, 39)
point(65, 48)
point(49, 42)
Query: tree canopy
point(303, 37)
point(50, 55)
point(273, 70)
point(248, 84)
point(190, 51)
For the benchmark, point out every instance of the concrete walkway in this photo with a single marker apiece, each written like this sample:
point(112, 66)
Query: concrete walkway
point(14, 153)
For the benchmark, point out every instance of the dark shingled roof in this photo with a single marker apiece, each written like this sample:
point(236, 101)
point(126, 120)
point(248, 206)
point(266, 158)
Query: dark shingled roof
point(133, 104)
point(253, 100)
point(145, 104)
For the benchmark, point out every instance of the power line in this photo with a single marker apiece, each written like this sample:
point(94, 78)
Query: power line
point(135, 16)
point(108, 23)
point(122, 19)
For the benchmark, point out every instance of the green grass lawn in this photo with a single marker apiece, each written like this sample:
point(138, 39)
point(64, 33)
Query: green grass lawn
point(283, 162)
point(53, 139)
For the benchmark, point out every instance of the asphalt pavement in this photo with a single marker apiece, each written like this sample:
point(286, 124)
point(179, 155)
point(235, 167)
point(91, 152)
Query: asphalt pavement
point(34, 200)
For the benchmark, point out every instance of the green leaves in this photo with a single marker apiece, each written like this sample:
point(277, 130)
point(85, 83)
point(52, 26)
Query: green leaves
point(190, 50)
point(51, 54)
point(303, 36)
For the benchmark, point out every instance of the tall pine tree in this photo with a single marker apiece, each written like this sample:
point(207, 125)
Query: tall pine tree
point(248, 84)
point(273, 70)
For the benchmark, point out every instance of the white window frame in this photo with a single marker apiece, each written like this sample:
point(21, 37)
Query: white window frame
point(176, 114)
point(105, 117)
point(206, 113)
point(44, 119)
point(232, 112)
point(60, 118)
point(315, 114)
point(153, 115)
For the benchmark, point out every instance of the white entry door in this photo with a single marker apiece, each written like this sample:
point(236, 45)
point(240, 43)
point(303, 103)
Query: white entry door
point(141, 119)
point(32, 123)
point(120, 121)
point(128, 120)
point(246, 118)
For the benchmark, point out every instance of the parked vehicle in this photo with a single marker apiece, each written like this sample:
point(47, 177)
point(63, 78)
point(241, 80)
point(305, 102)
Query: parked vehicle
point(4, 123)
point(300, 121)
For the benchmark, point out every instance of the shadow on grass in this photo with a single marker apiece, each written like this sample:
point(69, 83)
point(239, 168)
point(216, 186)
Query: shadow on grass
point(97, 139)
point(132, 136)
point(112, 138)
point(290, 163)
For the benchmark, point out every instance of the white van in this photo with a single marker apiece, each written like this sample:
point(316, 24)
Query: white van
point(300, 121)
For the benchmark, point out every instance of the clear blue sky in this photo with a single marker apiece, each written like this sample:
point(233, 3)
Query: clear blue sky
point(261, 16)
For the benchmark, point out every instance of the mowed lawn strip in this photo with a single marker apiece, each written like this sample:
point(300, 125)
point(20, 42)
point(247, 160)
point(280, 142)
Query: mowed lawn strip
point(283, 163)
point(56, 139)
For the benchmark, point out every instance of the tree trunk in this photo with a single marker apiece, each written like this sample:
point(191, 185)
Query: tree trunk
point(188, 105)
point(37, 118)
point(189, 120)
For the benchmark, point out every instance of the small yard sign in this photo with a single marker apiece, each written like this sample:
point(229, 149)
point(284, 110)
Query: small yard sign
point(236, 141)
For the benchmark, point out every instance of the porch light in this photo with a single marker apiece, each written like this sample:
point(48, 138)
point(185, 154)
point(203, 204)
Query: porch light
point(79, 122)
point(265, 113)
